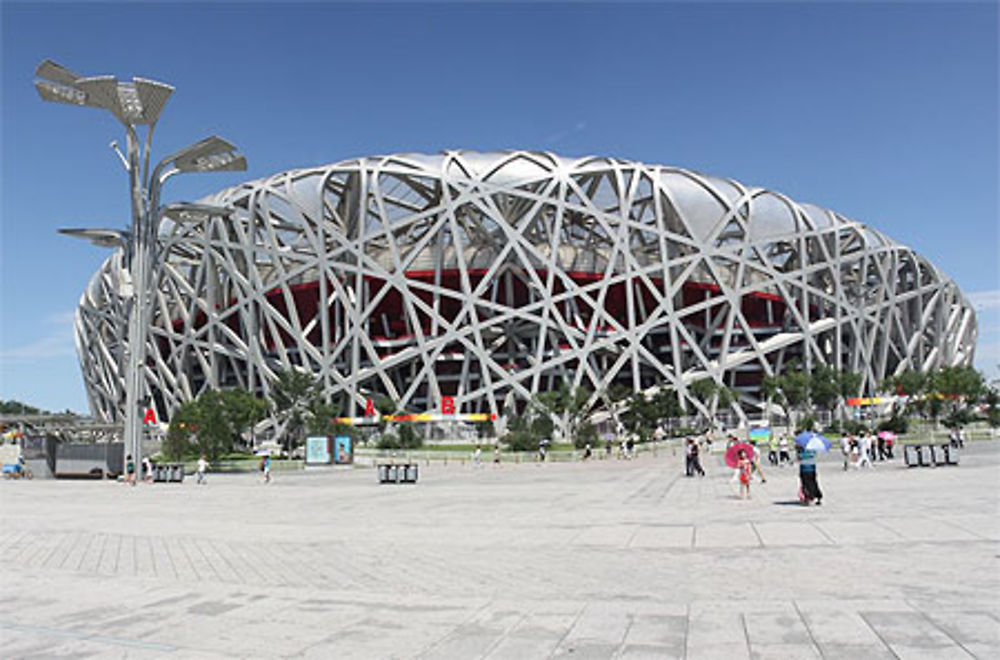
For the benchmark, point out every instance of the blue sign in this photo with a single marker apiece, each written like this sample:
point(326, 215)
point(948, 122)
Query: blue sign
point(342, 450)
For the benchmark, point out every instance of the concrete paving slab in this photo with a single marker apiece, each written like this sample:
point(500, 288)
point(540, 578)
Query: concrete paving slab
point(614, 536)
point(568, 560)
point(857, 532)
point(927, 529)
point(738, 535)
point(791, 533)
point(783, 652)
point(984, 525)
point(663, 537)
point(913, 635)
point(855, 651)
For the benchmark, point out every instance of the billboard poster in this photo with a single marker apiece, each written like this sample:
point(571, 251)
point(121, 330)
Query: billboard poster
point(318, 450)
point(343, 451)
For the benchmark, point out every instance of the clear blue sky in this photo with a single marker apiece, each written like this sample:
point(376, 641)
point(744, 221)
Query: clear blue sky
point(886, 113)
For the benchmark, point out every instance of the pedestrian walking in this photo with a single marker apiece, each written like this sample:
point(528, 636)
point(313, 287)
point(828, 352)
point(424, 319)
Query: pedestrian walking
point(202, 467)
point(586, 452)
point(477, 457)
point(689, 458)
point(266, 469)
point(808, 485)
point(772, 450)
point(783, 456)
point(755, 463)
point(147, 470)
point(695, 459)
point(865, 451)
point(743, 468)
point(845, 448)
point(129, 470)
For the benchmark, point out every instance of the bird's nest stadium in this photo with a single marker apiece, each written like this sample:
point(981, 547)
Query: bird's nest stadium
point(491, 277)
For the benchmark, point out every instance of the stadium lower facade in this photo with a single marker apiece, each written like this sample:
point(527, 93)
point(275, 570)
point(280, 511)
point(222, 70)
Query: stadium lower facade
point(492, 277)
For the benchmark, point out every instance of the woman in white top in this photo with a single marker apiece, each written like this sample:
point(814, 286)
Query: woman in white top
point(864, 455)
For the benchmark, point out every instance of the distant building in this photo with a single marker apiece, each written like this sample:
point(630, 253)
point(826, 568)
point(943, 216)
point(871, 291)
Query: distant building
point(490, 277)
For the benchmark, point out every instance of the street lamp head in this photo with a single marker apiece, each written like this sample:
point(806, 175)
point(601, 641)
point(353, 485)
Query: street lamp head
point(213, 154)
point(185, 212)
point(57, 73)
point(135, 103)
point(108, 238)
point(56, 93)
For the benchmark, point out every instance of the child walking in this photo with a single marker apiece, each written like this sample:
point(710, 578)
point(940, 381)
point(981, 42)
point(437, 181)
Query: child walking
point(744, 466)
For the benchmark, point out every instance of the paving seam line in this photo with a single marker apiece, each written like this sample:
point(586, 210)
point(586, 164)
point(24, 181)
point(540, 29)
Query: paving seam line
point(90, 637)
point(943, 630)
point(868, 623)
point(812, 637)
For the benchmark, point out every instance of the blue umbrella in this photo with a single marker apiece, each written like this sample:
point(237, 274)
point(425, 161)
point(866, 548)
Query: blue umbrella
point(812, 442)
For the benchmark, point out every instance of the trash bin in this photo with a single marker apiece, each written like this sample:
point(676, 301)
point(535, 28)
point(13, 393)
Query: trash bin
point(929, 456)
point(949, 455)
point(177, 473)
point(383, 473)
point(411, 474)
point(913, 455)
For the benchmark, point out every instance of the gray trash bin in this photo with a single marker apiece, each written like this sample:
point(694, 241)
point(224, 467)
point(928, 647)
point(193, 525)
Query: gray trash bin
point(930, 456)
point(949, 455)
point(913, 455)
point(383, 473)
point(411, 474)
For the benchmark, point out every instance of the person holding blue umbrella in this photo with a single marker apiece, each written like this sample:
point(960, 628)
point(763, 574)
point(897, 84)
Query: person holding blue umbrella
point(808, 444)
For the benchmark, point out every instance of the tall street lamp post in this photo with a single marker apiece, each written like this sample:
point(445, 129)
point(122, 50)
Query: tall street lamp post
point(134, 104)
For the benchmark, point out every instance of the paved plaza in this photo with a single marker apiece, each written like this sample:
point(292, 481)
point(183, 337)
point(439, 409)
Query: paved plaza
point(608, 559)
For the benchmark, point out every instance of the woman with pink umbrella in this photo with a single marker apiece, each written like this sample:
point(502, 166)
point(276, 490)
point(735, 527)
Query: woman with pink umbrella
point(738, 456)
point(889, 439)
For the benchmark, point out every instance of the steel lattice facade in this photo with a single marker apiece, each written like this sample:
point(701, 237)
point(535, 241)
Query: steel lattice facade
point(490, 277)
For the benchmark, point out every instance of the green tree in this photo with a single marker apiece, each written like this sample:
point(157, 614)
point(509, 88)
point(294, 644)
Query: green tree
point(790, 389)
point(641, 417)
point(568, 404)
point(667, 404)
point(243, 410)
point(824, 387)
point(770, 388)
point(211, 424)
point(408, 436)
point(13, 407)
point(724, 397)
point(526, 430)
point(703, 390)
point(294, 397)
point(183, 425)
point(992, 400)
point(961, 386)
point(962, 383)
point(848, 385)
point(910, 383)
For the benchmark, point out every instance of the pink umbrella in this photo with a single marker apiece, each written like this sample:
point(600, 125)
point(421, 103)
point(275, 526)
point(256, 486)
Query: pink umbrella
point(887, 435)
point(733, 453)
